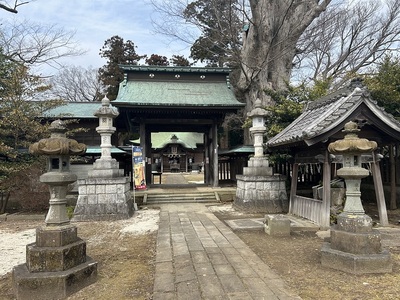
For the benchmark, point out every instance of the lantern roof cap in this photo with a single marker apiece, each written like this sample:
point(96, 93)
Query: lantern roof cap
point(258, 110)
point(351, 142)
point(57, 143)
point(106, 110)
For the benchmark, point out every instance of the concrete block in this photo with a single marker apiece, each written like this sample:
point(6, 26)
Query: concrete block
point(82, 199)
point(277, 225)
point(91, 189)
point(111, 189)
point(82, 189)
point(92, 199)
point(100, 189)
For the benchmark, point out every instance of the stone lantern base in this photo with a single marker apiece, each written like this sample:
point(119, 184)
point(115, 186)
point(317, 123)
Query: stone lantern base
point(259, 190)
point(56, 265)
point(103, 199)
point(355, 247)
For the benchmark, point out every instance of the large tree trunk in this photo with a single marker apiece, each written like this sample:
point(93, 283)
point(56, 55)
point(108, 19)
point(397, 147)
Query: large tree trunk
point(269, 46)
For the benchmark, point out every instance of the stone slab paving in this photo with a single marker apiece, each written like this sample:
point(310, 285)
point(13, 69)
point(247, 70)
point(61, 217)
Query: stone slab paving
point(296, 224)
point(199, 257)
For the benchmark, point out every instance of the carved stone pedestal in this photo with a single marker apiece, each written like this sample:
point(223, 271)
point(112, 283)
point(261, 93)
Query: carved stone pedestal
point(355, 247)
point(102, 199)
point(56, 265)
point(259, 190)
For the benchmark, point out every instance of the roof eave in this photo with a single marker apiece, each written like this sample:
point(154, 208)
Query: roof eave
point(168, 69)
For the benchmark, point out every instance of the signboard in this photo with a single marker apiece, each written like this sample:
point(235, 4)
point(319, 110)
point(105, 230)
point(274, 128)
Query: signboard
point(139, 179)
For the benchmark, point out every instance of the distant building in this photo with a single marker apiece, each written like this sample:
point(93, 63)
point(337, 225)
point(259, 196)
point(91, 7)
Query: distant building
point(190, 103)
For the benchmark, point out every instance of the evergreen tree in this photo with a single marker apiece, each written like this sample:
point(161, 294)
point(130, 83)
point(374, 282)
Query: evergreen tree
point(157, 60)
point(117, 52)
point(385, 85)
point(20, 122)
point(179, 61)
point(220, 24)
point(289, 104)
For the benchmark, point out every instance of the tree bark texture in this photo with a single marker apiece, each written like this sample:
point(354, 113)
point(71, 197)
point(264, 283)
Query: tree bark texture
point(269, 45)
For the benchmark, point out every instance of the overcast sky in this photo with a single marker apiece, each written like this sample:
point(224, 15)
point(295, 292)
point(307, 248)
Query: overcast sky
point(97, 20)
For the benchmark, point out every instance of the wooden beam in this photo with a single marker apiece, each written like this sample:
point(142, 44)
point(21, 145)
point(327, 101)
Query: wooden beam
point(326, 196)
point(293, 186)
point(393, 189)
point(380, 195)
point(215, 154)
point(206, 165)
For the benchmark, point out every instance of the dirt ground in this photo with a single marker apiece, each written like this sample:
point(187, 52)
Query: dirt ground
point(126, 263)
point(297, 260)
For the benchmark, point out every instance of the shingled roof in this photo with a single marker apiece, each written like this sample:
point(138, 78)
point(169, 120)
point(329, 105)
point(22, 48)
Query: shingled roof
point(79, 110)
point(323, 118)
point(189, 140)
point(155, 86)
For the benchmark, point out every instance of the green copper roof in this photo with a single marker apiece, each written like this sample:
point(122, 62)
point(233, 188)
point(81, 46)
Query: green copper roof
point(191, 94)
point(188, 140)
point(79, 110)
point(97, 150)
point(238, 149)
point(170, 69)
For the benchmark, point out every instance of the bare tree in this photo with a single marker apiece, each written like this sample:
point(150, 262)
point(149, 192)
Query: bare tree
point(272, 30)
point(77, 84)
point(348, 38)
point(12, 7)
point(211, 27)
point(37, 44)
point(270, 44)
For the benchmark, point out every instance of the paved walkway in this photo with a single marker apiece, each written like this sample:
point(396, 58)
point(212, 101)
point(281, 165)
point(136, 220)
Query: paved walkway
point(174, 178)
point(199, 257)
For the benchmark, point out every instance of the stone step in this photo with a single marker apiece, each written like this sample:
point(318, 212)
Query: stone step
point(181, 198)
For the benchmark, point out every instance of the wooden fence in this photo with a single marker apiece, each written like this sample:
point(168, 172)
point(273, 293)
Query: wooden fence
point(308, 208)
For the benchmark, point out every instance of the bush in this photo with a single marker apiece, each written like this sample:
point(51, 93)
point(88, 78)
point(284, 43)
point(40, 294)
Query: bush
point(30, 194)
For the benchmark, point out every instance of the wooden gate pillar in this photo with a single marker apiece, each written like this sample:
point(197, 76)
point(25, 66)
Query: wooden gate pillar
point(214, 135)
point(326, 197)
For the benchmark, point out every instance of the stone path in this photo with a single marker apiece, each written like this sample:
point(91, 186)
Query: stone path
point(199, 257)
point(174, 178)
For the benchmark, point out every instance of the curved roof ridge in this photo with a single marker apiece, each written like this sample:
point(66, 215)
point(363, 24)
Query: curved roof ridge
point(318, 120)
point(332, 114)
point(127, 67)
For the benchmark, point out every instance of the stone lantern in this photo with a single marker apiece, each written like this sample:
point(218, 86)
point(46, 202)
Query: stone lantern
point(351, 147)
point(259, 189)
point(355, 247)
point(105, 194)
point(58, 149)
point(106, 166)
point(258, 129)
point(58, 255)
